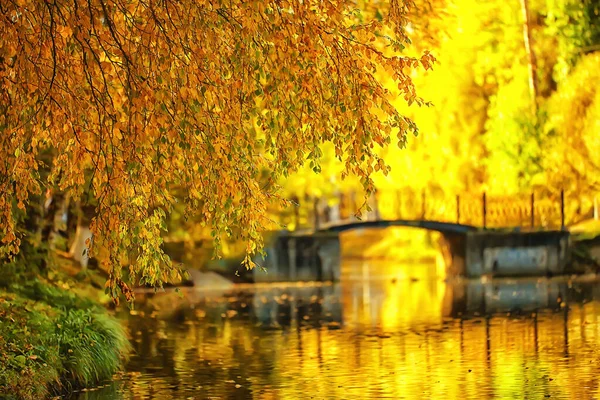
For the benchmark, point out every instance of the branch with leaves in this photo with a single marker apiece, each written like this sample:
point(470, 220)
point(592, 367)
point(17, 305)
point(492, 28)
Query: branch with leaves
point(137, 99)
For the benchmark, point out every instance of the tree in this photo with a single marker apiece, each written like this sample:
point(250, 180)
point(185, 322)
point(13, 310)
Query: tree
point(573, 160)
point(135, 99)
point(482, 134)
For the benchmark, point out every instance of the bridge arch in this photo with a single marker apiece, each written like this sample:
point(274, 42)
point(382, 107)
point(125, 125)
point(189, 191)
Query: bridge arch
point(442, 227)
point(452, 240)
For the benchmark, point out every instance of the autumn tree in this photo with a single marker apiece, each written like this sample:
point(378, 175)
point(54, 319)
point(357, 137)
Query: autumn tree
point(482, 133)
point(573, 160)
point(135, 99)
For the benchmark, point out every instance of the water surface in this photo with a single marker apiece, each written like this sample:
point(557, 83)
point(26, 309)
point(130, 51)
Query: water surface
point(376, 334)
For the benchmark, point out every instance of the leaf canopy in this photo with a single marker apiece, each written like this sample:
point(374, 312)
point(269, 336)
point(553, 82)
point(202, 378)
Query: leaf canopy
point(215, 99)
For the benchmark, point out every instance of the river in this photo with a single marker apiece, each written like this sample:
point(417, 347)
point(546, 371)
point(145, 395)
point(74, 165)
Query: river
point(375, 334)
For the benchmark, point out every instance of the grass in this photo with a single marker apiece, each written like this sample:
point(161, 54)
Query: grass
point(53, 339)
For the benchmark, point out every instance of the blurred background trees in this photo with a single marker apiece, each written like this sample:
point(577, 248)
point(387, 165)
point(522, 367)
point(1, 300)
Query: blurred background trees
point(484, 131)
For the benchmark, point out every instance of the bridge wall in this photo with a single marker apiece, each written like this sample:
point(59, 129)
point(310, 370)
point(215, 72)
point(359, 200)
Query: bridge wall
point(315, 256)
point(454, 249)
point(297, 257)
point(516, 253)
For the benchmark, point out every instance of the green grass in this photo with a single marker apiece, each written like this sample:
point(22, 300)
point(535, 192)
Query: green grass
point(52, 340)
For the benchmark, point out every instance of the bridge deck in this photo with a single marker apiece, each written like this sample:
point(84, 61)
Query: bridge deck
point(447, 227)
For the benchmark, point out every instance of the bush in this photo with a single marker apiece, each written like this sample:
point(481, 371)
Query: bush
point(52, 340)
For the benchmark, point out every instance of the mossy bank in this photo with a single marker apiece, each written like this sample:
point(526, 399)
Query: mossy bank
point(55, 336)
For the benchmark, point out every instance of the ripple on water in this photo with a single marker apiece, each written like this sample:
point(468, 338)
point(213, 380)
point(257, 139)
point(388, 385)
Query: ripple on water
point(415, 340)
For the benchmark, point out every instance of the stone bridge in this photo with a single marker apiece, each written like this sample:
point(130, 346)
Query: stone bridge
point(489, 236)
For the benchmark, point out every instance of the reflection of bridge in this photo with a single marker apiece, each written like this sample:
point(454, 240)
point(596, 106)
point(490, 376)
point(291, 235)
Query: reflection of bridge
point(528, 235)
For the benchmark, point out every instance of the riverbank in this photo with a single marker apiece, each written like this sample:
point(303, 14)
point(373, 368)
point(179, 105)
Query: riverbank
point(55, 334)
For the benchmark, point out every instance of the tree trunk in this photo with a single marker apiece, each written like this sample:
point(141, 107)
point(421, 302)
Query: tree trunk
point(78, 249)
point(532, 64)
point(57, 214)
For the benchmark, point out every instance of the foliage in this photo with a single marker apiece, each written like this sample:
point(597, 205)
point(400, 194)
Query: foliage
point(54, 339)
point(475, 62)
point(574, 152)
point(135, 99)
point(481, 133)
point(521, 144)
point(28, 364)
point(576, 26)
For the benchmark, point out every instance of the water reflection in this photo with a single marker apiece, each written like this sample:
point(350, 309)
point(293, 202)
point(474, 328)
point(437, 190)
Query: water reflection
point(377, 337)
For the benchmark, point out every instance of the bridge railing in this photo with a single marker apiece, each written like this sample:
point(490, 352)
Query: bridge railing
point(528, 211)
